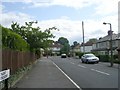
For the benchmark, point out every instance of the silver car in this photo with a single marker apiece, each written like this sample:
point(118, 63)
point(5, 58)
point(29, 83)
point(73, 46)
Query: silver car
point(89, 58)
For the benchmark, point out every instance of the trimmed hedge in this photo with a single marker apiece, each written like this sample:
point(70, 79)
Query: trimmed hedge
point(13, 40)
point(106, 58)
point(103, 58)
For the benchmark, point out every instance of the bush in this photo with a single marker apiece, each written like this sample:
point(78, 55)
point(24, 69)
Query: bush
point(80, 54)
point(103, 58)
point(13, 41)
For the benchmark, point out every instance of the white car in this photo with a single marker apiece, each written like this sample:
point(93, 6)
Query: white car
point(89, 58)
point(63, 55)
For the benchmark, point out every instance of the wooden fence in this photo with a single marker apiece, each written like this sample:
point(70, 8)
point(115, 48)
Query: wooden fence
point(14, 60)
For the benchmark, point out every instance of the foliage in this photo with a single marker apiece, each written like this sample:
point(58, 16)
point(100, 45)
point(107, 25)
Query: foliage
point(12, 40)
point(75, 43)
point(63, 40)
point(66, 47)
point(80, 54)
point(93, 40)
point(35, 37)
point(103, 58)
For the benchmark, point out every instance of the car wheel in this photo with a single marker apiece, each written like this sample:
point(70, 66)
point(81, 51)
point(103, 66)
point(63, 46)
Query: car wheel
point(97, 62)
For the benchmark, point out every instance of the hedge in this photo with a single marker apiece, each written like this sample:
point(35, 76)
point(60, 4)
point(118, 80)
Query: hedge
point(13, 40)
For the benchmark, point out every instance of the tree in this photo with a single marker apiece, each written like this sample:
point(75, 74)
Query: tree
point(66, 47)
point(35, 37)
point(93, 40)
point(63, 40)
point(75, 43)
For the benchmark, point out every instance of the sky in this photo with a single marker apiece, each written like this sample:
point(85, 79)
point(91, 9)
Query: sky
point(66, 15)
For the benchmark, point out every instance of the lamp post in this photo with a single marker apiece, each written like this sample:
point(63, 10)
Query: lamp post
point(111, 51)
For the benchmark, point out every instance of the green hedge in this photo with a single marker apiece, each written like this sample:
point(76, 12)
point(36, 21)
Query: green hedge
point(106, 58)
point(103, 58)
point(80, 54)
point(12, 40)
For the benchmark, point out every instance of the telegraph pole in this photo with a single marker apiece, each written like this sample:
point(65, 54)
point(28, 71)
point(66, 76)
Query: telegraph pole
point(83, 36)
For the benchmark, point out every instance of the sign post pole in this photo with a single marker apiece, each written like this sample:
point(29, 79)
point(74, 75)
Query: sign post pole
point(4, 75)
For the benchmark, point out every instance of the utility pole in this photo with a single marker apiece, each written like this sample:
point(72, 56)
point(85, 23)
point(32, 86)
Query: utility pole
point(83, 37)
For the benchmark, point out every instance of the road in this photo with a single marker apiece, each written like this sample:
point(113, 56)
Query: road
point(88, 75)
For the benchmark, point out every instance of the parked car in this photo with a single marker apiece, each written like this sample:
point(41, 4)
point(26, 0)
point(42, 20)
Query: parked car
point(63, 55)
point(89, 58)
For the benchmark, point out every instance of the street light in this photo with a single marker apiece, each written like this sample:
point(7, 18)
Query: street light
point(111, 58)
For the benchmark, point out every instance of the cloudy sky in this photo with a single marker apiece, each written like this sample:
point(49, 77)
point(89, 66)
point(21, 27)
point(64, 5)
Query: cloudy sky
point(66, 15)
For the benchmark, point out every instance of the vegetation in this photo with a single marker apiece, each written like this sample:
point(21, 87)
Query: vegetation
point(66, 47)
point(35, 37)
point(12, 40)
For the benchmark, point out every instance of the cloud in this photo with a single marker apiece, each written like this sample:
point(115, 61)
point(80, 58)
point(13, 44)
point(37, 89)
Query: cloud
point(103, 7)
point(68, 28)
point(106, 7)
point(8, 17)
point(73, 29)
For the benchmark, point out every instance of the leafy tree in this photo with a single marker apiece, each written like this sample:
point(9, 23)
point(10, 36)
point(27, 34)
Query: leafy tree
point(75, 43)
point(63, 40)
point(66, 47)
point(93, 40)
point(35, 37)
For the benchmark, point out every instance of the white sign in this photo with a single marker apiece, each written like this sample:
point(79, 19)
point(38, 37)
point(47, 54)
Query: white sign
point(4, 74)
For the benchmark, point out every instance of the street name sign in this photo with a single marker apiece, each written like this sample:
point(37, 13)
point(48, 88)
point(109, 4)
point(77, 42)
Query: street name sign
point(4, 74)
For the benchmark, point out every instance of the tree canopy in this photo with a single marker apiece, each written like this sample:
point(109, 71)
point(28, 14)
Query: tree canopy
point(66, 47)
point(63, 40)
point(34, 36)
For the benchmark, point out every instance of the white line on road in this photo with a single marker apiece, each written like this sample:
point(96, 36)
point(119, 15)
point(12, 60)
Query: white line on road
point(67, 76)
point(100, 72)
point(82, 66)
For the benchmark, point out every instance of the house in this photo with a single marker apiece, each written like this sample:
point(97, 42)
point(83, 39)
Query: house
point(87, 46)
point(76, 48)
point(55, 48)
point(102, 46)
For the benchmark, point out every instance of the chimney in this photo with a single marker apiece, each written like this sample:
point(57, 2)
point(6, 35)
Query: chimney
point(110, 32)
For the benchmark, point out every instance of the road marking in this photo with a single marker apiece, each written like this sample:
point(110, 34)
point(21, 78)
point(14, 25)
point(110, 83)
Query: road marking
point(82, 66)
point(100, 72)
point(67, 76)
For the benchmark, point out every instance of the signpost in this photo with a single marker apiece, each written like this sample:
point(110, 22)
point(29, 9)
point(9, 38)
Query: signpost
point(4, 75)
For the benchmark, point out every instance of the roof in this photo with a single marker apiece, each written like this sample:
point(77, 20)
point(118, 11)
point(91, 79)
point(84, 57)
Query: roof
point(75, 47)
point(87, 44)
point(57, 45)
point(108, 37)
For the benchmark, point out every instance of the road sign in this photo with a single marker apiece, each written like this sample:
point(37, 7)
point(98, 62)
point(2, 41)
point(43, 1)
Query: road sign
point(4, 74)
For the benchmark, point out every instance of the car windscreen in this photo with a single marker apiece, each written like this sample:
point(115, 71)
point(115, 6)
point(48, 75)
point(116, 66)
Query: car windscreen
point(89, 56)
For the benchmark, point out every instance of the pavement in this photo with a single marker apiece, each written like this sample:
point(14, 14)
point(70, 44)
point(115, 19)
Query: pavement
point(44, 74)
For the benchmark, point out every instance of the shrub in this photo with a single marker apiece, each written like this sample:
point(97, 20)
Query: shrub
point(13, 41)
point(103, 58)
point(79, 54)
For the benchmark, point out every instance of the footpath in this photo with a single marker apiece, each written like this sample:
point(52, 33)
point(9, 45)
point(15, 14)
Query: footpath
point(45, 74)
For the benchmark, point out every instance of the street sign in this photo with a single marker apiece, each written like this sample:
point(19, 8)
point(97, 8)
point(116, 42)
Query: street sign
point(4, 74)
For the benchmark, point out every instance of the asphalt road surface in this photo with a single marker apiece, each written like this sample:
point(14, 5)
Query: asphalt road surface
point(57, 72)
point(89, 75)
